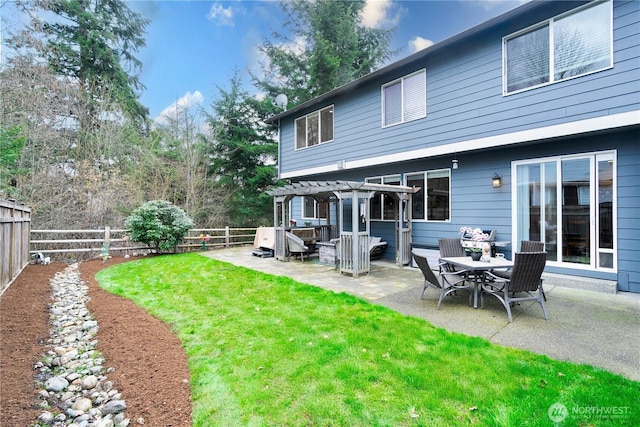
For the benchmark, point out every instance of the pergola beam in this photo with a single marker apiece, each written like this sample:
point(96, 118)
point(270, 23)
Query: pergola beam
point(354, 190)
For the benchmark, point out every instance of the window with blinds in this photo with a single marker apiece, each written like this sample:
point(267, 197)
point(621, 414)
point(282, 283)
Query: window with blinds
point(314, 128)
point(570, 45)
point(405, 99)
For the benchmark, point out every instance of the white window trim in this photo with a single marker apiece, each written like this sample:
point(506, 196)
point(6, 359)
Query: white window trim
point(549, 23)
point(593, 266)
point(315, 209)
point(424, 175)
point(319, 111)
point(382, 178)
point(382, 99)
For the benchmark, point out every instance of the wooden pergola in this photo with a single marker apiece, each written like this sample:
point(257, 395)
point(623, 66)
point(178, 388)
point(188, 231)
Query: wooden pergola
point(353, 198)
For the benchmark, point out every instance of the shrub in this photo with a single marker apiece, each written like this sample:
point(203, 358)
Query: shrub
point(159, 224)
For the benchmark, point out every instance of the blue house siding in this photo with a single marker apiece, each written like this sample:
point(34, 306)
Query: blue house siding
point(596, 113)
point(475, 203)
point(465, 101)
point(629, 210)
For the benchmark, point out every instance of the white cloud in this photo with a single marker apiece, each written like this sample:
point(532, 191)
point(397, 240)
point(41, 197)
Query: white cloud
point(297, 46)
point(418, 43)
point(221, 15)
point(187, 101)
point(379, 14)
point(258, 61)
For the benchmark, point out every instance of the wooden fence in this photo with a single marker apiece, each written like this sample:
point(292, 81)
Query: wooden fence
point(87, 244)
point(15, 224)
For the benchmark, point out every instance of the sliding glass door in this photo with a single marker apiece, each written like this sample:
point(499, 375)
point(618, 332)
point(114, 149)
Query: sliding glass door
point(576, 210)
point(569, 204)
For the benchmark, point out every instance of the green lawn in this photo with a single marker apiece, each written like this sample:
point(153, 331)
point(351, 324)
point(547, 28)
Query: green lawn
point(266, 350)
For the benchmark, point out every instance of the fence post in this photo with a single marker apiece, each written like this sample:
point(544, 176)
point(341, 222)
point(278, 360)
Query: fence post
point(106, 243)
point(12, 241)
point(227, 237)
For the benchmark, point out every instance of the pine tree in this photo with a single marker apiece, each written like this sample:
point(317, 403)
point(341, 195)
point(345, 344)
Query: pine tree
point(243, 154)
point(328, 47)
point(92, 42)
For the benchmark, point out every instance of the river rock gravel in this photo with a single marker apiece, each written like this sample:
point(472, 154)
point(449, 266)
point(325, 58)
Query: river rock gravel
point(74, 388)
point(150, 366)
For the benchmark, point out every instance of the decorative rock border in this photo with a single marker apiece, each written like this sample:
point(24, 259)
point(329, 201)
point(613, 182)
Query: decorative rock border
point(74, 388)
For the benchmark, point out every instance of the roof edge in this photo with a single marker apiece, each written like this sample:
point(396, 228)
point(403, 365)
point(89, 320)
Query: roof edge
point(413, 57)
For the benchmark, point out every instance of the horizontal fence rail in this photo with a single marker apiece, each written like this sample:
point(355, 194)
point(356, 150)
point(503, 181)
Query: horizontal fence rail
point(86, 244)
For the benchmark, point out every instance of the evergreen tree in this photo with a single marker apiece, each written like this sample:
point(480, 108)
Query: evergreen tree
point(92, 42)
point(11, 145)
point(328, 47)
point(243, 154)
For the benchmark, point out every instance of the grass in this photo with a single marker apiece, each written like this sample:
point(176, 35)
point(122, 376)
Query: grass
point(266, 350)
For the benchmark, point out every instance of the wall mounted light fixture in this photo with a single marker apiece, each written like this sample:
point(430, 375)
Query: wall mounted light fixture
point(454, 164)
point(497, 181)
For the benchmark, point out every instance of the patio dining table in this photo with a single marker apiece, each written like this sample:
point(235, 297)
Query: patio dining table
point(468, 264)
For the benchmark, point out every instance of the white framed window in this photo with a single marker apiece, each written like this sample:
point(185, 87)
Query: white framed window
point(433, 201)
point(314, 128)
point(382, 206)
point(573, 44)
point(569, 203)
point(312, 209)
point(405, 99)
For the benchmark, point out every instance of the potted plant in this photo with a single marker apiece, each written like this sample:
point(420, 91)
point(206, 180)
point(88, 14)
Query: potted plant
point(476, 236)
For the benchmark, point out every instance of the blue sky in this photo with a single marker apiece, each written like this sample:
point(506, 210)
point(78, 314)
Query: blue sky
point(193, 46)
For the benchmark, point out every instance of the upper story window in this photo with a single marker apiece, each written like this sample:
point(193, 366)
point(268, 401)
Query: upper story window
point(405, 99)
point(573, 44)
point(314, 128)
point(434, 204)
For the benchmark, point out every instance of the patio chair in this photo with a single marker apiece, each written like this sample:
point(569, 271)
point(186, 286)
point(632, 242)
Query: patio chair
point(525, 246)
point(297, 246)
point(450, 248)
point(531, 246)
point(525, 278)
point(446, 282)
point(376, 247)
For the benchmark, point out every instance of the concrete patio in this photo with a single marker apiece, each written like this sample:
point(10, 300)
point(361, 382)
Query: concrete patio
point(586, 327)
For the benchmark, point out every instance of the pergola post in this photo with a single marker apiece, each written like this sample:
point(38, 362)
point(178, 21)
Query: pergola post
point(354, 246)
point(279, 226)
point(403, 251)
point(355, 228)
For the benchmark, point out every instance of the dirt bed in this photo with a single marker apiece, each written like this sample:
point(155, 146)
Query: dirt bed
point(151, 368)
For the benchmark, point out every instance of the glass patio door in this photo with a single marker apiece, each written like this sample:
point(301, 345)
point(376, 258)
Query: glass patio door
point(569, 204)
point(537, 206)
point(576, 211)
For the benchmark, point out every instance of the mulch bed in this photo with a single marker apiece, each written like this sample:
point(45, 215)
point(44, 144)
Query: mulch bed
point(151, 368)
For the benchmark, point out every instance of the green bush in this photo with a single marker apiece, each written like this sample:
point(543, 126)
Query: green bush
point(159, 224)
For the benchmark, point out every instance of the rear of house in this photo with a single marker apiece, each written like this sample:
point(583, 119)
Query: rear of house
point(543, 100)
